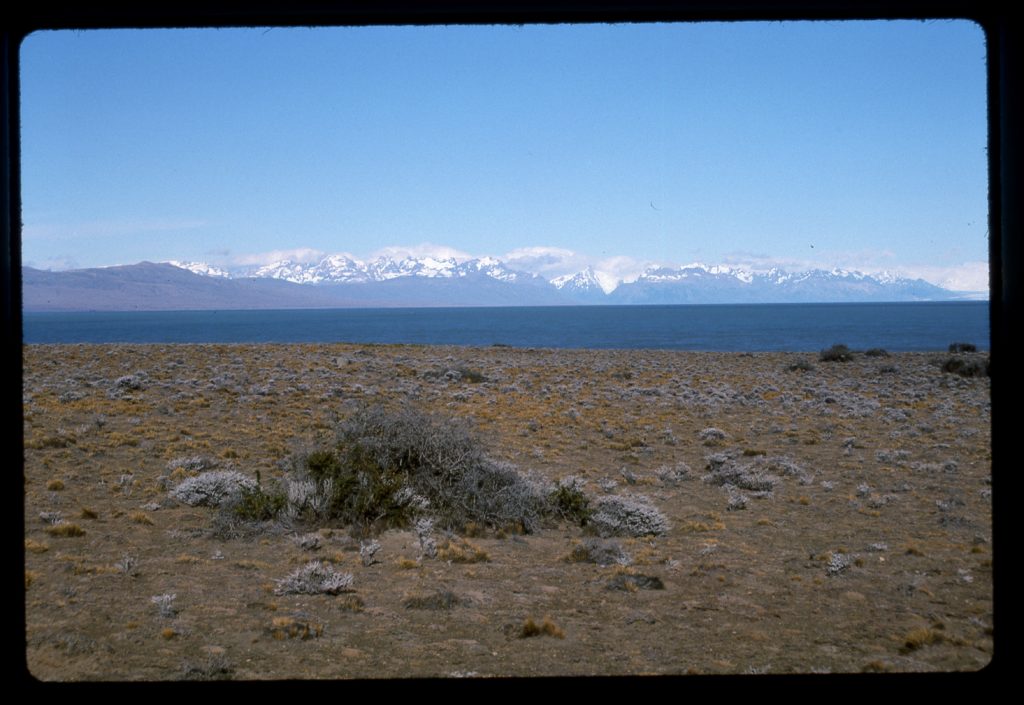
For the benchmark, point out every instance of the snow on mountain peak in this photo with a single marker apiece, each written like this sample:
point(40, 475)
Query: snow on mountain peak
point(207, 270)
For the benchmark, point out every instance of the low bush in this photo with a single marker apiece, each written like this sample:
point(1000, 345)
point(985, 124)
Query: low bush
point(569, 502)
point(836, 353)
point(386, 469)
point(314, 578)
point(876, 352)
point(962, 347)
point(440, 600)
point(632, 515)
point(600, 551)
point(966, 368)
point(212, 488)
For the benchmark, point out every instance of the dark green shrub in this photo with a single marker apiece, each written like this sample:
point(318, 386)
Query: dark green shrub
point(962, 347)
point(569, 502)
point(471, 376)
point(836, 353)
point(387, 468)
point(801, 366)
point(966, 368)
point(257, 504)
point(876, 352)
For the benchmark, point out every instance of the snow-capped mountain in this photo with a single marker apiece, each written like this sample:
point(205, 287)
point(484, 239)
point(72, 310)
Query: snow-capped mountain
point(342, 269)
point(342, 281)
point(700, 283)
point(207, 270)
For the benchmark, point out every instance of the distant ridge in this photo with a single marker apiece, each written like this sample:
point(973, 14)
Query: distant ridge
point(339, 281)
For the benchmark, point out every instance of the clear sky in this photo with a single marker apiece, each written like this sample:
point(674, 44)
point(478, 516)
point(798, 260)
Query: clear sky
point(859, 145)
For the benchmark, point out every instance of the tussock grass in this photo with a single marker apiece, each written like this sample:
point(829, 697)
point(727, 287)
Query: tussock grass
point(65, 530)
point(546, 628)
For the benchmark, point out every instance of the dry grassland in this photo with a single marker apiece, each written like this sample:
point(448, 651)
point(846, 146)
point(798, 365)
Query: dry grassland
point(832, 519)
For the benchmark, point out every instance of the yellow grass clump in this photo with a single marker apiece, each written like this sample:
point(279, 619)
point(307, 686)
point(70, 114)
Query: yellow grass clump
point(545, 628)
point(65, 530)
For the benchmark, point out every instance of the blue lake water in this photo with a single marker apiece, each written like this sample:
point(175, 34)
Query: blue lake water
point(916, 326)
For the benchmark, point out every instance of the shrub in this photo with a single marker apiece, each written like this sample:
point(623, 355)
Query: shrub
point(837, 563)
point(966, 368)
point(387, 468)
point(440, 600)
point(962, 347)
point(314, 578)
point(801, 366)
point(599, 551)
point(836, 353)
point(165, 604)
point(672, 475)
point(213, 488)
point(711, 435)
point(635, 581)
point(215, 666)
point(133, 382)
point(631, 515)
point(747, 477)
point(569, 502)
point(256, 504)
point(876, 352)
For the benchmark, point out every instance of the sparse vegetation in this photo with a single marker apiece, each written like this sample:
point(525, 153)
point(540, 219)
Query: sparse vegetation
point(437, 594)
point(439, 600)
point(963, 347)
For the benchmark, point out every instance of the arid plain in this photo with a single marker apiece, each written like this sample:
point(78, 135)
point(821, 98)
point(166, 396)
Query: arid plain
point(867, 547)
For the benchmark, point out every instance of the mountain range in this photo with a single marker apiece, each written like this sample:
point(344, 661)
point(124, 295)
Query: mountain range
point(340, 281)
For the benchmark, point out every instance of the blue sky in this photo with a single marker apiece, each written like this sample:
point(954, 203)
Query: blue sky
point(859, 145)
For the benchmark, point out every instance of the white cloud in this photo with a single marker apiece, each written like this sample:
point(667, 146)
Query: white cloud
point(549, 262)
point(299, 254)
point(620, 269)
point(424, 249)
point(57, 263)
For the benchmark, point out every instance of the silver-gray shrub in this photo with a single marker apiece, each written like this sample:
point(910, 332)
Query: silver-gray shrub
point(711, 434)
point(367, 551)
point(627, 515)
point(424, 529)
point(725, 471)
point(314, 578)
point(213, 488)
point(672, 475)
point(838, 563)
point(165, 604)
point(308, 498)
point(600, 551)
